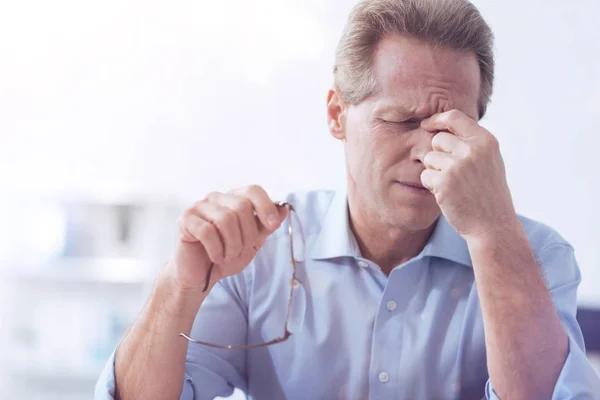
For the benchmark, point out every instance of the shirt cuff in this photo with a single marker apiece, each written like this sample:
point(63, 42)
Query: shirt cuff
point(577, 379)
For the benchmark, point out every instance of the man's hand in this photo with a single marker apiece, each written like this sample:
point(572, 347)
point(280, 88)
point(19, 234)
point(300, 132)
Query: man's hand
point(465, 172)
point(226, 229)
point(526, 345)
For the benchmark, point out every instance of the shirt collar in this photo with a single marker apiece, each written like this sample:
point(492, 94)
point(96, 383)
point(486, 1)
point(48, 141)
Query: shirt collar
point(337, 240)
point(446, 243)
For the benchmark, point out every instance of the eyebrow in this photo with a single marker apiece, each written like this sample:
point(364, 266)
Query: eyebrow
point(398, 112)
point(402, 112)
point(394, 109)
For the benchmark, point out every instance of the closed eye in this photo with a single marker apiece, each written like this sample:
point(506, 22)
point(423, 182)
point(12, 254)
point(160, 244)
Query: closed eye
point(408, 121)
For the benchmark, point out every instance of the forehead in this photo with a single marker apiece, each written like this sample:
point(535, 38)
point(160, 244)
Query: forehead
point(424, 78)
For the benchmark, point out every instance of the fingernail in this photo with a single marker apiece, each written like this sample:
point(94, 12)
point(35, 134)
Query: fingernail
point(273, 221)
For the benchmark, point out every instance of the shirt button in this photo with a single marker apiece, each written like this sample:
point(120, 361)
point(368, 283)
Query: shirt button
point(384, 377)
point(391, 305)
point(363, 264)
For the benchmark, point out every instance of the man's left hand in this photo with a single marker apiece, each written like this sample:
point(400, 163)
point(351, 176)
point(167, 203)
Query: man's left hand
point(465, 172)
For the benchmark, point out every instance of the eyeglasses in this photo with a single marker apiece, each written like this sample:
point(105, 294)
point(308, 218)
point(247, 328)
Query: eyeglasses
point(297, 256)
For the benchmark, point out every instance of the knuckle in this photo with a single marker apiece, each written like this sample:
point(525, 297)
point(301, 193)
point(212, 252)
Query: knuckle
point(453, 114)
point(257, 192)
point(445, 177)
point(227, 218)
point(450, 173)
point(242, 206)
point(251, 189)
point(469, 152)
point(254, 188)
point(198, 205)
point(212, 197)
point(185, 217)
point(205, 231)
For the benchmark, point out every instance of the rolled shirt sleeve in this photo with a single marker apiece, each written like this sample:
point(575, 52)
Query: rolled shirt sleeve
point(577, 379)
point(105, 386)
point(210, 372)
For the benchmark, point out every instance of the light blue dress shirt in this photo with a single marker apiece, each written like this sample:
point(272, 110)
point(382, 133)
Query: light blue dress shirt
point(359, 334)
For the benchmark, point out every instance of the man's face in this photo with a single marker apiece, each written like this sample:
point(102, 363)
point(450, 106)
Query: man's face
point(383, 141)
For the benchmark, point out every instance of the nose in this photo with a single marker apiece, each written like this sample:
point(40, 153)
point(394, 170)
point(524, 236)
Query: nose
point(422, 144)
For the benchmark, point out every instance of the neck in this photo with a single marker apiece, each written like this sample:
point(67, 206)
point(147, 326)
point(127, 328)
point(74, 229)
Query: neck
point(381, 242)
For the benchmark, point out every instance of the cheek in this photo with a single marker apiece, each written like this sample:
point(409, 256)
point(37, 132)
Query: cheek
point(359, 151)
point(366, 157)
point(397, 146)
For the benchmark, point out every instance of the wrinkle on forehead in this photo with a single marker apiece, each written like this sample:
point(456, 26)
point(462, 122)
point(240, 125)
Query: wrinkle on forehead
point(432, 96)
point(426, 79)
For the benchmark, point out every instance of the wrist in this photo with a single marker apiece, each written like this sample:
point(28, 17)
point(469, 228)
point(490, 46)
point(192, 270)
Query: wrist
point(173, 300)
point(498, 234)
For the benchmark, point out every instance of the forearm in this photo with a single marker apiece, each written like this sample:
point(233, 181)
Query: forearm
point(150, 362)
point(525, 342)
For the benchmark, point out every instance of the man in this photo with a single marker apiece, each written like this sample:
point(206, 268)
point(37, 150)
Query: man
point(420, 282)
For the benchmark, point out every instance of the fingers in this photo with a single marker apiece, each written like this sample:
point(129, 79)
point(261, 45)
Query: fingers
point(268, 213)
point(438, 160)
point(282, 212)
point(227, 224)
point(454, 121)
point(195, 229)
point(449, 143)
point(430, 179)
point(244, 211)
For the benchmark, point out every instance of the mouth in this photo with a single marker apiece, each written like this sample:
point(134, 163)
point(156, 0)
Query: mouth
point(415, 188)
point(412, 184)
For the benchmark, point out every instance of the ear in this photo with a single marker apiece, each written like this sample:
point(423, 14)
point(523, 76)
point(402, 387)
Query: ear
point(335, 114)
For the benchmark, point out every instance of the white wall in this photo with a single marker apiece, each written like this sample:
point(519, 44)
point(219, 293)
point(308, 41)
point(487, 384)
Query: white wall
point(173, 99)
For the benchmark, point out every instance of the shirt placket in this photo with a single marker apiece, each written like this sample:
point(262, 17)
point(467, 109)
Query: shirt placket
point(386, 346)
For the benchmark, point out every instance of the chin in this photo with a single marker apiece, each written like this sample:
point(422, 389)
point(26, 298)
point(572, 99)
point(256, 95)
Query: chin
point(412, 217)
point(414, 224)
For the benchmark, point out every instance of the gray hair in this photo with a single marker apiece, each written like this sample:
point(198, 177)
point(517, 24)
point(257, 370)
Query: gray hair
point(455, 24)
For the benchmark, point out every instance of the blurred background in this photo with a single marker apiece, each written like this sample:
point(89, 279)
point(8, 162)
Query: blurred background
point(117, 115)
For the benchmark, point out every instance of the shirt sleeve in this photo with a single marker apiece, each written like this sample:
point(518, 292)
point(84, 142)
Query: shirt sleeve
point(210, 372)
point(577, 379)
point(105, 387)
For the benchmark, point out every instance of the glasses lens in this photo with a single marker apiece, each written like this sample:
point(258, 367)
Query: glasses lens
point(297, 237)
point(298, 308)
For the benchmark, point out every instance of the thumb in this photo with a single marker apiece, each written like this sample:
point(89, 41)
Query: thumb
point(282, 213)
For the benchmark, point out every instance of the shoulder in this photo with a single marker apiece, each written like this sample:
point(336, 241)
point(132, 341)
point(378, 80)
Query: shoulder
point(554, 254)
point(542, 236)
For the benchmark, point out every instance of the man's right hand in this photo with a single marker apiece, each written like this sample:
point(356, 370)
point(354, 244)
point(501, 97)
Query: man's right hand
point(226, 229)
